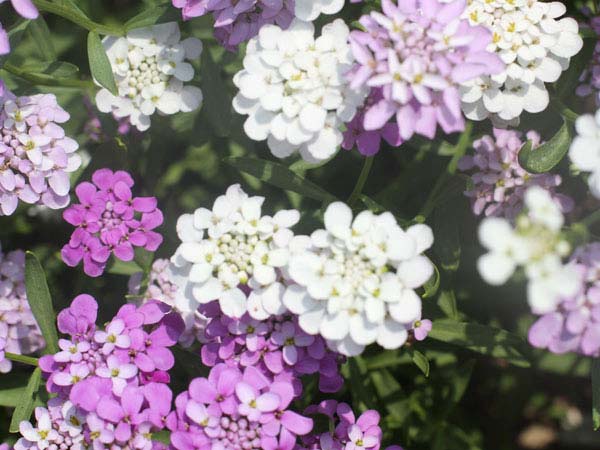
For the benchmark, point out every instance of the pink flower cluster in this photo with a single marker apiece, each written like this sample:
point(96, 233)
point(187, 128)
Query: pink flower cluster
point(498, 182)
point(589, 81)
point(235, 409)
point(418, 52)
point(575, 326)
point(276, 346)
point(109, 220)
point(19, 332)
point(346, 432)
point(36, 157)
point(237, 21)
point(111, 383)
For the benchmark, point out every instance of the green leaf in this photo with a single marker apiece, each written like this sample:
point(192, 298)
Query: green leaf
point(40, 301)
point(363, 395)
point(15, 34)
point(59, 69)
point(41, 36)
point(217, 104)
point(99, 63)
point(482, 339)
point(151, 16)
point(546, 156)
point(447, 303)
point(118, 267)
point(596, 393)
point(420, 360)
point(280, 176)
point(27, 401)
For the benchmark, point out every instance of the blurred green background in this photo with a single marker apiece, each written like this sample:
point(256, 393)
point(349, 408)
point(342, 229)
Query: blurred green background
point(469, 400)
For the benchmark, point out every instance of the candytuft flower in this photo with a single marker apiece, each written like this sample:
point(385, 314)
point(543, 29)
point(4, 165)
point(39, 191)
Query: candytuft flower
point(150, 66)
point(294, 91)
point(36, 157)
point(19, 332)
point(419, 53)
point(232, 246)
point(109, 220)
point(585, 149)
point(536, 45)
point(498, 182)
point(355, 279)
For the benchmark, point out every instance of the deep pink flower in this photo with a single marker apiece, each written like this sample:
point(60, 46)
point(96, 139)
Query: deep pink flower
point(109, 220)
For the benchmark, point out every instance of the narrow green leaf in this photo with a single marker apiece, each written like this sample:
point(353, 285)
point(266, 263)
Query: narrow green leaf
point(99, 63)
point(447, 303)
point(59, 69)
point(363, 395)
point(433, 284)
point(217, 104)
point(596, 393)
point(40, 301)
point(546, 156)
point(151, 16)
point(15, 34)
point(280, 176)
point(118, 267)
point(27, 401)
point(40, 33)
point(420, 360)
point(482, 339)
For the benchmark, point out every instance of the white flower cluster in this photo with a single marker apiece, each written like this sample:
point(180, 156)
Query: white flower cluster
point(355, 279)
point(535, 45)
point(150, 69)
point(229, 247)
point(585, 149)
point(294, 91)
point(309, 10)
point(534, 243)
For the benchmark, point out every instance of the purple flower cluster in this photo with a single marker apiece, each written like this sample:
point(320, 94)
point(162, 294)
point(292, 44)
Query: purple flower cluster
point(276, 346)
point(346, 432)
point(19, 332)
point(575, 325)
point(418, 53)
point(109, 220)
point(589, 81)
point(237, 21)
point(111, 384)
point(161, 287)
point(26, 9)
point(235, 409)
point(498, 182)
point(36, 157)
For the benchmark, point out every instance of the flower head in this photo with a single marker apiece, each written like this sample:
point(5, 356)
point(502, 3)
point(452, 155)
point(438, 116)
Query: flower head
point(237, 409)
point(355, 279)
point(294, 91)
point(36, 157)
point(109, 220)
point(534, 243)
point(150, 67)
point(419, 53)
point(589, 81)
point(498, 182)
point(534, 43)
point(19, 332)
point(232, 246)
point(575, 324)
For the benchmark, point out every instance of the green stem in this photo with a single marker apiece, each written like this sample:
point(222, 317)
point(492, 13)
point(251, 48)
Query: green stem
point(564, 110)
point(591, 219)
point(21, 358)
point(362, 179)
point(47, 80)
point(76, 17)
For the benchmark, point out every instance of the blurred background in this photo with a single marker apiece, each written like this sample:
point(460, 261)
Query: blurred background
point(468, 401)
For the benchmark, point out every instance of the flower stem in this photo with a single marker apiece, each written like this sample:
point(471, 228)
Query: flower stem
point(564, 110)
point(47, 80)
point(362, 179)
point(76, 16)
point(591, 219)
point(21, 358)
